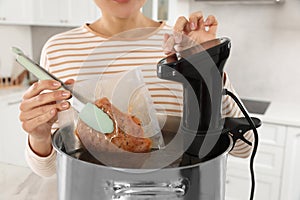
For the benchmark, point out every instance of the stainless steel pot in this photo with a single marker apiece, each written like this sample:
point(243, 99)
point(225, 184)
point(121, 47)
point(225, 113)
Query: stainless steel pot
point(79, 179)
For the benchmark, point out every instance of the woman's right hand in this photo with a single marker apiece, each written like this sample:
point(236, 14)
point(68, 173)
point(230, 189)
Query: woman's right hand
point(189, 32)
point(38, 112)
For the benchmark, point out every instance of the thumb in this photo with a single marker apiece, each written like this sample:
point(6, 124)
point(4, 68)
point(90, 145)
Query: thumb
point(70, 82)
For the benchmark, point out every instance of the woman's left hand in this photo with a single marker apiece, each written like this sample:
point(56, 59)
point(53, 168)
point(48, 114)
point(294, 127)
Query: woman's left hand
point(194, 30)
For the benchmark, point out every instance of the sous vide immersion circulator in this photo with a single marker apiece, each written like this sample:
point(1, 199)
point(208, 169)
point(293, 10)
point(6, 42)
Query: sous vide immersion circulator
point(200, 71)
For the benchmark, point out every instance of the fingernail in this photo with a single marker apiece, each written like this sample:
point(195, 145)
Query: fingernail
point(193, 26)
point(56, 84)
point(65, 94)
point(65, 104)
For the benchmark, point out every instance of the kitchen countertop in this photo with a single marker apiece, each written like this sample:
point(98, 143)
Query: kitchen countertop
point(11, 93)
point(12, 90)
point(20, 183)
point(281, 114)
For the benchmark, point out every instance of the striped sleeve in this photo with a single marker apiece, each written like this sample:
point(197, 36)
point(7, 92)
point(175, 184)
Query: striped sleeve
point(42, 166)
point(231, 109)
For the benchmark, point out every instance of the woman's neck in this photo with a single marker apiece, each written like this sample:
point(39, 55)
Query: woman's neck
point(110, 26)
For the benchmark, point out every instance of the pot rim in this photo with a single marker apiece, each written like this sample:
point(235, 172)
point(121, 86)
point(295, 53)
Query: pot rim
point(58, 150)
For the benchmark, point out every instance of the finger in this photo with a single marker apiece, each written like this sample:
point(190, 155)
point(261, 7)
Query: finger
point(187, 42)
point(194, 19)
point(180, 24)
point(201, 24)
point(179, 48)
point(39, 86)
point(70, 82)
point(166, 37)
point(169, 45)
point(23, 106)
point(165, 44)
point(53, 120)
point(31, 125)
point(211, 20)
point(43, 99)
point(177, 37)
point(212, 23)
point(31, 114)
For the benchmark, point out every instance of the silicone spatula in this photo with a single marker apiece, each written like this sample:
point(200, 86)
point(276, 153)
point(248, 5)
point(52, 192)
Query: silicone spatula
point(88, 113)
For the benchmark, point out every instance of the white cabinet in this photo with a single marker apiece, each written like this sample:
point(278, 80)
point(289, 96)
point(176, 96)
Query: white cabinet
point(49, 12)
point(276, 166)
point(291, 170)
point(270, 151)
point(64, 12)
point(13, 138)
point(15, 11)
point(238, 186)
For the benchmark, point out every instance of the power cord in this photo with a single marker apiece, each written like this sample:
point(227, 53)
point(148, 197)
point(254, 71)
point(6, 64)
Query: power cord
point(252, 125)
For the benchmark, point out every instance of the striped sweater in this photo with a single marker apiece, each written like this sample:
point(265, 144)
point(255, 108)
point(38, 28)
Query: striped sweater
point(83, 54)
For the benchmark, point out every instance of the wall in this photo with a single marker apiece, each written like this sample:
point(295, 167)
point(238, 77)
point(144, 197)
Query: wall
point(19, 36)
point(265, 59)
point(29, 38)
point(40, 34)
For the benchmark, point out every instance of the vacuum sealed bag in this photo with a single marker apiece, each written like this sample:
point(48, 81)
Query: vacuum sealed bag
point(126, 100)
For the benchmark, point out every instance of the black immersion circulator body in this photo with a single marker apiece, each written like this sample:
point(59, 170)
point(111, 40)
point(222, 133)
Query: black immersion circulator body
point(200, 71)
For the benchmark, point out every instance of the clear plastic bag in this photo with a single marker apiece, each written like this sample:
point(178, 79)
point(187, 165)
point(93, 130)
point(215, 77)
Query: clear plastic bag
point(127, 96)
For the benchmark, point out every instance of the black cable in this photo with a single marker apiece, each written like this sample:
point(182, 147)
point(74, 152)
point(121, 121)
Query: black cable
point(255, 139)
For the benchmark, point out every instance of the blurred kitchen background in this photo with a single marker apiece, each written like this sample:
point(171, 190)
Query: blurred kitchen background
point(264, 65)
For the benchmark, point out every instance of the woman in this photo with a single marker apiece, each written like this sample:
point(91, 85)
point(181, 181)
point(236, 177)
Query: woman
point(71, 55)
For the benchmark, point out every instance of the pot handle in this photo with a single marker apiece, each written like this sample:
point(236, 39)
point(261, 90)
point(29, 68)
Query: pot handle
point(177, 188)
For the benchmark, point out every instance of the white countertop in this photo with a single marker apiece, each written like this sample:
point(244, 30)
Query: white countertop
point(20, 183)
point(281, 113)
point(12, 93)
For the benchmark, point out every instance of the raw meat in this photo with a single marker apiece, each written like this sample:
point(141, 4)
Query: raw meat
point(128, 134)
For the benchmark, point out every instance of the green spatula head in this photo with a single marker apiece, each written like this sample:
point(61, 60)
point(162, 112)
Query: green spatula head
point(96, 118)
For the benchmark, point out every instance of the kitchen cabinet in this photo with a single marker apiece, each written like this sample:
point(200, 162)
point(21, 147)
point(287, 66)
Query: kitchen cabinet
point(13, 138)
point(276, 166)
point(64, 12)
point(15, 11)
point(291, 174)
point(67, 13)
point(238, 186)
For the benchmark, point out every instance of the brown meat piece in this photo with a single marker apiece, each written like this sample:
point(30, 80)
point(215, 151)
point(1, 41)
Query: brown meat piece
point(127, 135)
